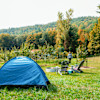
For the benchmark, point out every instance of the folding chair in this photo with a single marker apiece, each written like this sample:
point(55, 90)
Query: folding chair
point(77, 67)
point(63, 68)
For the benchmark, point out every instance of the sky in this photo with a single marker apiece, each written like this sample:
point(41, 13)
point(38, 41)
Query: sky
point(19, 13)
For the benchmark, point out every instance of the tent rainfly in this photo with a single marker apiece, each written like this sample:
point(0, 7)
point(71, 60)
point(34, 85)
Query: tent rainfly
point(22, 71)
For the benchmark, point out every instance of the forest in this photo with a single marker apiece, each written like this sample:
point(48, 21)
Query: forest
point(83, 35)
point(80, 22)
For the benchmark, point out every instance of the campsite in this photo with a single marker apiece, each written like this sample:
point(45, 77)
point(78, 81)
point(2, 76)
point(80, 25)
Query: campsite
point(50, 50)
point(74, 86)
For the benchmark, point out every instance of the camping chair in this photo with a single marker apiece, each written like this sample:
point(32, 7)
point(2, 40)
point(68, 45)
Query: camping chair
point(77, 67)
point(63, 68)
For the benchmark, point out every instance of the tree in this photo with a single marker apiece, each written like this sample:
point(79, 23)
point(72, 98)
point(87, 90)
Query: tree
point(82, 50)
point(66, 32)
point(94, 40)
point(52, 36)
point(73, 36)
point(5, 41)
point(63, 26)
point(45, 38)
point(83, 38)
point(19, 40)
point(98, 8)
point(34, 39)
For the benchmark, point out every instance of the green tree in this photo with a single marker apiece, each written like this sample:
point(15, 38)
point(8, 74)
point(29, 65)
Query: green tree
point(34, 39)
point(63, 26)
point(52, 36)
point(49, 37)
point(94, 41)
point(19, 40)
point(98, 8)
point(5, 41)
point(66, 32)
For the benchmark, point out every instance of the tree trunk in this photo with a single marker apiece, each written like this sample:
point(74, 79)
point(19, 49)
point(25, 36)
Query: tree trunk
point(65, 45)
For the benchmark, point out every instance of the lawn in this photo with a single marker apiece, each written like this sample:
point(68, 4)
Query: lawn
point(76, 86)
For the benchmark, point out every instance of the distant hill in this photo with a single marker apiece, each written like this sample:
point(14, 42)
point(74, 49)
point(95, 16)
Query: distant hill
point(86, 23)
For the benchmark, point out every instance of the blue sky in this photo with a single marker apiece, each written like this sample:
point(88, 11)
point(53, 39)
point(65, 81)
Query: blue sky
point(18, 13)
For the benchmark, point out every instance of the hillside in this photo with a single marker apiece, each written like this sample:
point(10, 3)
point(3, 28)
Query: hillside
point(86, 23)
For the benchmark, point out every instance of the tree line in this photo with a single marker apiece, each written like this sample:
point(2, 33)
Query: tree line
point(65, 36)
point(86, 23)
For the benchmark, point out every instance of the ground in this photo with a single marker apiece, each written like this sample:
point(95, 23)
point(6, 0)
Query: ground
point(76, 86)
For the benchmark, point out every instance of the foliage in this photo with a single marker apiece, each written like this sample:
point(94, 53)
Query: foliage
point(63, 26)
point(51, 36)
point(42, 38)
point(98, 8)
point(80, 22)
point(85, 23)
point(9, 41)
point(43, 52)
point(34, 39)
point(19, 40)
point(82, 52)
point(5, 41)
point(94, 40)
point(9, 54)
point(66, 32)
point(83, 38)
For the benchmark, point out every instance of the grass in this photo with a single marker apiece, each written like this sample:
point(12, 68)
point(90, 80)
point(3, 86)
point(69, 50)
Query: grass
point(76, 86)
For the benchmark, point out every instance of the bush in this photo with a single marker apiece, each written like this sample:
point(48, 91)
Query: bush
point(74, 55)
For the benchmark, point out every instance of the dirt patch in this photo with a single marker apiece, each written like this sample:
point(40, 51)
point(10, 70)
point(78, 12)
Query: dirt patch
point(85, 67)
point(48, 65)
point(43, 65)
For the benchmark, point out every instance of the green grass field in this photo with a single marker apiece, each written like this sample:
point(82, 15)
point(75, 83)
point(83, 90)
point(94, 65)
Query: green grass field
point(76, 86)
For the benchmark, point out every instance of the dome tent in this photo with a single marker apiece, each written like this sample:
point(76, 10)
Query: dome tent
point(22, 71)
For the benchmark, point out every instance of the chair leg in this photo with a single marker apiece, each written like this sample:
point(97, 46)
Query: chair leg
point(67, 72)
point(76, 71)
point(80, 70)
point(59, 72)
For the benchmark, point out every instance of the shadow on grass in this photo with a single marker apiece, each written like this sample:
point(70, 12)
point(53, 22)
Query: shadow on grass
point(89, 73)
point(52, 88)
point(79, 74)
point(84, 73)
point(74, 75)
point(18, 88)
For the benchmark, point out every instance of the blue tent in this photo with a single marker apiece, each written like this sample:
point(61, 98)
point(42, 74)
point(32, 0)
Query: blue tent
point(22, 71)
